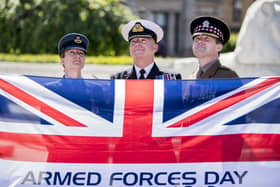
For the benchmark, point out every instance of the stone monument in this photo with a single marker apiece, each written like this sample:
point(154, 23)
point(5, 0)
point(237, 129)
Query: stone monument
point(258, 44)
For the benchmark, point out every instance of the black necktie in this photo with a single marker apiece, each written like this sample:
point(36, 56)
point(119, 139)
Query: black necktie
point(142, 72)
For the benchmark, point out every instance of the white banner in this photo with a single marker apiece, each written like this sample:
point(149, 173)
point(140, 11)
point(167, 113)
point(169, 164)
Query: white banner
point(227, 174)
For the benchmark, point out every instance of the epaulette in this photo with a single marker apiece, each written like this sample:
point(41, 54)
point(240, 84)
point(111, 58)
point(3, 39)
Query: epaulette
point(120, 75)
point(124, 75)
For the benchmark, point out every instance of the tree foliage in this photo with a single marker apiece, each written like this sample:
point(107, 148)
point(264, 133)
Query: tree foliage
point(231, 44)
point(35, 26)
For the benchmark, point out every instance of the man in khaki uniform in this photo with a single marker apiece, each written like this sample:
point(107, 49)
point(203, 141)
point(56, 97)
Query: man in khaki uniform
point(209, 35)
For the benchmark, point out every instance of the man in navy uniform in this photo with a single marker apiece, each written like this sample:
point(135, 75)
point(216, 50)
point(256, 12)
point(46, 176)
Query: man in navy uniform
point(209, 36)
point(143, 37)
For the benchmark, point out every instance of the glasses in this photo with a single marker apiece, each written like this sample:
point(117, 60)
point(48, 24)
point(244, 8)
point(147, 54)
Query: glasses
point(141, 41)
point(74, 53)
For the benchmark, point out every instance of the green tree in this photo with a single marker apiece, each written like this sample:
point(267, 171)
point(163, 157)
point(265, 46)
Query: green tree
point(231, 44)
point(35, 26)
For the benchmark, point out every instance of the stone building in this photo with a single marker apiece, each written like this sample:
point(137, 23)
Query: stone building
point(174, 17)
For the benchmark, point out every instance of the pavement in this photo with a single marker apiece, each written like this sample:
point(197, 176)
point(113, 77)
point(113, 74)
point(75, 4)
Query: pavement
point(185, 66)
point(56, 70)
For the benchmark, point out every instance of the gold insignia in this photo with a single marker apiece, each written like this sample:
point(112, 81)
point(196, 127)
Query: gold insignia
point(78, 40)
point(205, 23)
point(137, 28)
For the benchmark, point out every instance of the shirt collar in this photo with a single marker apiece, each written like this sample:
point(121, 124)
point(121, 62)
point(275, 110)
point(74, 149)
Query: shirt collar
point(208, 65)
point(64, 76)
point(147, 70)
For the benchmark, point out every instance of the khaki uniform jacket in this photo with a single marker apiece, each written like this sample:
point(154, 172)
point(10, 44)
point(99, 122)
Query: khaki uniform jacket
point(215, 71)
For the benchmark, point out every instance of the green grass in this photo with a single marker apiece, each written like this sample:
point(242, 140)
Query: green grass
point(29, 58)
point(51, 58)
point(109, 60)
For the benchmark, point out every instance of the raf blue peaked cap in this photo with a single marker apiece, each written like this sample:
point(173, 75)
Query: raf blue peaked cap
point(73, 41)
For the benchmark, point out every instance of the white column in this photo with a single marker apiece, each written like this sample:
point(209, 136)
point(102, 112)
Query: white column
point(171, 34)
point(187, 15)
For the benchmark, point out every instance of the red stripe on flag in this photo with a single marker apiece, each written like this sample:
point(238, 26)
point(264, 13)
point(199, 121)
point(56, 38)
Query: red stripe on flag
point(138, 119)
point(227, 102)
point(139, 104)
point(189, 149)
point(39, 105)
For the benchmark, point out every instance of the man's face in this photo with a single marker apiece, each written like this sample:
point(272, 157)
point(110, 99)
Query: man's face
point(142, 47)
point(206, 46)
point(73, 60)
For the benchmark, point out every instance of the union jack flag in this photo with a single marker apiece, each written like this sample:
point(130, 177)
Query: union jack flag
point(53, 120)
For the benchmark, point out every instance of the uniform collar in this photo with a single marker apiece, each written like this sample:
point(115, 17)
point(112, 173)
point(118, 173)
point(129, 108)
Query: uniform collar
point(208, 65)
point(64, 76)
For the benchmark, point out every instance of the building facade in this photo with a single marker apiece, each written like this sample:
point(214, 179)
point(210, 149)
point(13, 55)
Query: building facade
point(174, 16)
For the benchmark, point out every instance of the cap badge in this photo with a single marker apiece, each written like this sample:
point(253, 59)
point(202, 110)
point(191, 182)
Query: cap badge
point(137, 28)
point(78, 40)
point(205, 23)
